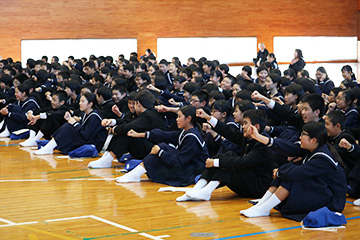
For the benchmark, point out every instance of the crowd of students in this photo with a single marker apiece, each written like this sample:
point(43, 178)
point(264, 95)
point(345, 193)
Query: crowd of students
point(286, 138)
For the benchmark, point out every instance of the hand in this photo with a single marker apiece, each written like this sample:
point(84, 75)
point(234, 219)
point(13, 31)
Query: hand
point(331, 106)
point(252, 131)
point(155, 149)
point(325, 97)
point(344, 144)
point(38, 89)
point(278, 100)
point(209, 163)
point(30, 116)
point(133, 133)
point(33, 119)
point(294, 159)
point(202, 114)
point(275, 172)
point(48, 96)
point(257, 96)
point(206, 127)
point(115, 109)
point(4, 111)
point(152, 88)
point(161, 108)
point(106, 122)
point(67, 116)
point(173, 102)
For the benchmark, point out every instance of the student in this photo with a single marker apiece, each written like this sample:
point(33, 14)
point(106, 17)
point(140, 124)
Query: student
point(208, 67)
point(173, 70)
point(293, 93)
point(297, 63)
point(78, 132)
point(323, 80)
point(7, 93)
point(227, 85)
point(120, 144)
point(44, 122)
point(141, 78)
point(348, 75)
point(272, 85)
point(72, 89)
point(247, 174)
point(298, 189)
point(272, 60)
point(119, 95)
point(89, 70)
point(105, 102)
point(261, 55)
point(221, 110)
point(344, 102)
point(290, 74)
point(129, 73)
point(15, 113)
point(262, 73)
point(166, 164)
point(164, 67)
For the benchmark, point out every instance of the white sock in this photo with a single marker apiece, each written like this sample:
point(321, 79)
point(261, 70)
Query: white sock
point(264, 209)
point(104, 162)
point(200, 184)
point(47, 149)
point(132, 176)
point(266, 196)
point(203, 193)
point(5, 133)
point(32, 134)
point(38, 136)
point(357, 202)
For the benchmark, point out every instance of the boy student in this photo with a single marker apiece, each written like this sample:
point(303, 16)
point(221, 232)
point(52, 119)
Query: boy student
point(247, 174)
point(208, 67)
point(106, 103)
point(129, 73)
point(164, 68)
point(72, 89)
point(89, 70)
point(44, 122)
point(119, 95)
point(147, 120)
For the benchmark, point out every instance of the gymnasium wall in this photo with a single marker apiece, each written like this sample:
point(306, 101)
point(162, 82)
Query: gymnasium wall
point(147, 20)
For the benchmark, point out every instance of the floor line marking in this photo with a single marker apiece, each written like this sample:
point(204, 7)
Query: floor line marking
point(64, 219)
point(150, 236)
point(18, 224)
point(113, 224)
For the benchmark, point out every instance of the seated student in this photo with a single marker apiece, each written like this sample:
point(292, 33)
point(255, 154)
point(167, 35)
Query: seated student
point(164, 68)
point(78, 132)
point(216, 78)
point(297, 63)
point(7, 91)
point(215, 95)
point(323, 80)
point(312, 109)
point(89, 70)
point(354, 176)
point(44, 122)
point(349, 76)
point(344, 102)
point(247, 174)
point(261, 55)
point(174, 69)
point(293, 93)
point(272, 85)
point(147, 119)
point(105, 102)
point(298, 189)
point(119, 95)
point(262, 74)
point(272, 59)
point(72, 89)
point(15, 113)
point(176, 94)
point(167, 164)
point(227, 85)
point(208, 67)
point(290, 74)
point(141, 78)
point(221, 110)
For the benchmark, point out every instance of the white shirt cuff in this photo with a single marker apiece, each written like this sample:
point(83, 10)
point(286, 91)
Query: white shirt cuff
point(216, 162)
point(213, 121)
point(43, 116)
point(113, 122)
point(271, 104)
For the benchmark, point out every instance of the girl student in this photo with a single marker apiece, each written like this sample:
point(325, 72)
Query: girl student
point(323, 80)
point(297, 63)
point(272, 85)
point(15, 113)
point(78, 131)
point(348, 75)
point(167, 164)
point(262, 73)
point(344, 102)
point(298, 189)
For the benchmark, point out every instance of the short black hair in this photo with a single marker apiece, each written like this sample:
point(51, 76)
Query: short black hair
point(105, 92)
point(315, 102)
point(146, 99)
point(336, 117)
point(61, 95)
point(256, 117)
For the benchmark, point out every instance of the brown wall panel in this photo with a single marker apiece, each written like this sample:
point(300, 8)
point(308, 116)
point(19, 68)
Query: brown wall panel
point(147, 20)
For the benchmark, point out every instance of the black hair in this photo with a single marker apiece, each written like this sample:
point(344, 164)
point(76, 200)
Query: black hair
point(217, 73)
point(336, 117)
point(129, 67)
point(322, 70)
point(304, 73)
point(61, 95)
point(42, 76)
point(143, 66)
point(56, 58)
point(210, 64)
point(349, 96)
point(21, 77)
point(216, 95)
point(299, 53)
point(315, 102)
point(99, 78)
point(199, 70)
point(187, 71)
point(191, 87)
point(179, 79)
point(163, 61)
point(192, 59)
point(290, 72)
point(177, 61)
point(71, 57)
point(247, 69)
point(317, 130)
point(91, 97)
point(25, 87)
point(7, 79)
point(244, 105)
point(347, 68)
point(105, 70)
point(209, 87)
point(202, 95)
point(295, 89)
point(144, 76)
point(120, 88)
point(224, 67)
point(74, 85)
point(90, 64)
point(145, 98)
point(65, 74)
point(109, 58)
point(272, 55)
point(89, 86)
point(31, 63)
point(132, 96)
point(336, 90)
point(244, 94)
point(222, 106)
point(232, 79)
point(105, 92)
point(261, 68)
point(307, 84)
point(256, 117)
point(160, 82)
point(275, 78)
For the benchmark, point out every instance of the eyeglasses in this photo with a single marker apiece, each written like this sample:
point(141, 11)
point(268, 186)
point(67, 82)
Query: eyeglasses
point(194, 100)
point(304, 134)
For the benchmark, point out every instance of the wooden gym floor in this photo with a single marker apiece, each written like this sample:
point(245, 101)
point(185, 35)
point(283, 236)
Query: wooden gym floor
point(52, 197)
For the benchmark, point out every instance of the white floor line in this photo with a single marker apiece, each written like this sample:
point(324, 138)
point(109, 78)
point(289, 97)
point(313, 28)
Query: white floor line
point(152, 237)
point(64, 219)
point(113, 224)
point(17, 224)
point(6, 221)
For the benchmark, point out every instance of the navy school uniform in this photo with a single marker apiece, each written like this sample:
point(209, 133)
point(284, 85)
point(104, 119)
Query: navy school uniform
point(50, 120)
point(8, 95)
point(17, 119)
point(105, 109)
point(249, 173)
point(87, 131)
point(326, 86)
point(298, 66)
point(181, 157)
point(320, 181)
point(352, 118)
